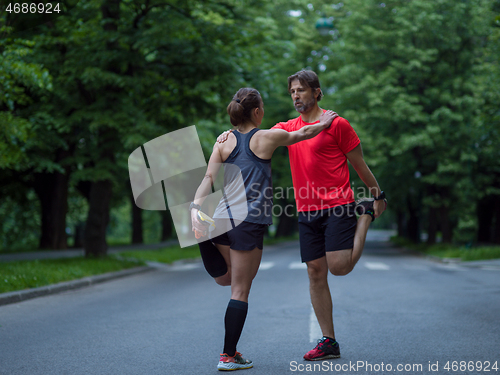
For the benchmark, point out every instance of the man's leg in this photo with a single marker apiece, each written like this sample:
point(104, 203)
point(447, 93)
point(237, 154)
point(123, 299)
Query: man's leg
point(321, 298)
point(341, 262)
point(312, 250)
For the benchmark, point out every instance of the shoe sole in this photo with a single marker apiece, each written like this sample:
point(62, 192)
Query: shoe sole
point(224, 366)
point(329, 356)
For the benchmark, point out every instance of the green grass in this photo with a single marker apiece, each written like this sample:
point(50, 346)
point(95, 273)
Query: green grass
point(465, 254)
point(452, 251)
point(164, 255)
point(21, 275)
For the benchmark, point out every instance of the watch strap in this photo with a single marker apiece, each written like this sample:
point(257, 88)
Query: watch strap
point(193, 205)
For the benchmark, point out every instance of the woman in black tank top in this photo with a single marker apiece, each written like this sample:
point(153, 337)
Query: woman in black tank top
point(233, 253)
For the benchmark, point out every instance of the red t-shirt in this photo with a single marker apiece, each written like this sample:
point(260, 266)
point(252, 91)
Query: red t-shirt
point(319, 166)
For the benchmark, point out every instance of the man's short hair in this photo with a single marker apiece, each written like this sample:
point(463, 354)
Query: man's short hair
point(306, 78)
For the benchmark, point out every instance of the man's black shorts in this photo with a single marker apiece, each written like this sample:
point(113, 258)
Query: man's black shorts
point(245, 236)
point(330, 229)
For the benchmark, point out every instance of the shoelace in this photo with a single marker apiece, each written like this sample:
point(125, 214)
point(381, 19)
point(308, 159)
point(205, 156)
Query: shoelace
point(321, 343)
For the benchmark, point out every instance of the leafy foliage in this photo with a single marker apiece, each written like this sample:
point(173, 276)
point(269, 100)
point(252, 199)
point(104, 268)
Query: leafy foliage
point(418, 80)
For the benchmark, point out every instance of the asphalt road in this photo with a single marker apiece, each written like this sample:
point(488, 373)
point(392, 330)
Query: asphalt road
point(395, 311)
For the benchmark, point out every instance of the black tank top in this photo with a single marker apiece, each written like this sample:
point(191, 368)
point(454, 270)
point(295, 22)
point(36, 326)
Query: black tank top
point(256, 175)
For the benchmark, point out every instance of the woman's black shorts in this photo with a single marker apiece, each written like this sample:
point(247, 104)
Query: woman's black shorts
point(245, 236)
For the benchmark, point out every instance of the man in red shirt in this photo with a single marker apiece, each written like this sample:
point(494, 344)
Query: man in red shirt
point(331, 239)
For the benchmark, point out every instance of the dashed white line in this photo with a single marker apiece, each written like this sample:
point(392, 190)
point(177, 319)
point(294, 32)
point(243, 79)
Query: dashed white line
point(174, 267)
point(266, 265)
point(297, 266)
point(377, 266)
point(184, 267)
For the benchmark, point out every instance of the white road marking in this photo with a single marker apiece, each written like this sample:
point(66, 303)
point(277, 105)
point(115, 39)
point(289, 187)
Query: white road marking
point(184, 267)
point(266, 265)
point(174, 267)
point(377, 266)
point(314, 329)
point(297, 266)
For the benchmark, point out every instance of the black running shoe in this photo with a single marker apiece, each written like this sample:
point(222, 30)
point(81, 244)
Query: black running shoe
point(364, 206)
point(326, 349)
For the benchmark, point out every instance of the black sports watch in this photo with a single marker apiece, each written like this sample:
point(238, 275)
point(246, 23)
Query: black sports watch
point(380, 197)
point(193, 205)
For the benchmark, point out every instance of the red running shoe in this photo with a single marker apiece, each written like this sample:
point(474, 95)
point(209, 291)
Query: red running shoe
point(326, 349)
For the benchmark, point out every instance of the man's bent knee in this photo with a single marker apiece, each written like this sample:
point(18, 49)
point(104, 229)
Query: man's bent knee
point(340, 270)
point(340, 262)
point(223, 280)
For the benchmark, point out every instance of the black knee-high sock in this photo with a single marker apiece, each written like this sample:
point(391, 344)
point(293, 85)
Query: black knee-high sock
point(234, 320)
point(212, 259)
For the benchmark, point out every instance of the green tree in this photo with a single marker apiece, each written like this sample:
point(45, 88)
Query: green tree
point(403, 73)
point(124, 72)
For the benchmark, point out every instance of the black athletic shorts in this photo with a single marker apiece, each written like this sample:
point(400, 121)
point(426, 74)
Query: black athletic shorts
point(245, 236)
point(325, 230)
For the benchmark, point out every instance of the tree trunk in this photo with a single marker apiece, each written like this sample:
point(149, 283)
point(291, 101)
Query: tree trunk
point(413, 225)
point(166, 226)
point(496, 227)
point(137, 232)
point(101, 191)
point(432, 226)
point(401, 224)
point(446, 228)
point(485, 214)
point(98, 219)
point(52, 190)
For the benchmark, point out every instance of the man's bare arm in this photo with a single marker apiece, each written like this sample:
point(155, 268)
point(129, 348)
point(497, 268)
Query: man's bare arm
point(355, 157)
point(280, 137)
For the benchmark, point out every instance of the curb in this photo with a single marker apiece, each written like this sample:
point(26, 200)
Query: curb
point(23, 295)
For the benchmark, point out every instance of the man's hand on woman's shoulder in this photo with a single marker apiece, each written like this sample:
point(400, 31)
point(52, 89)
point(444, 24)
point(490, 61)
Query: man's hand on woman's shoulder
point(223, 137)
